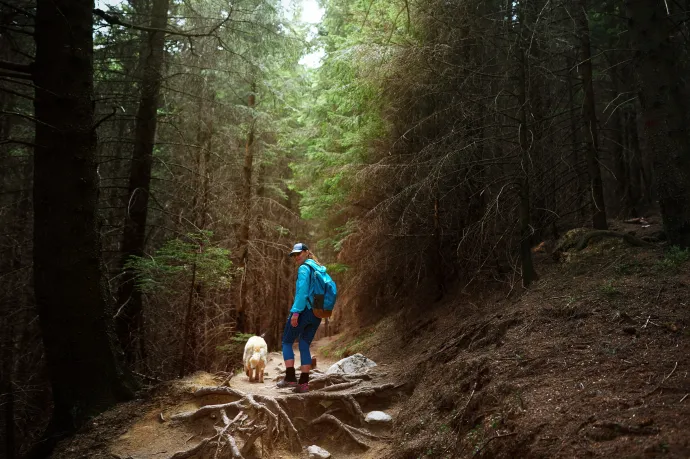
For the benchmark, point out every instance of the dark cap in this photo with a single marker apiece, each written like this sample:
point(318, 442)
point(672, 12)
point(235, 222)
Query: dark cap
point(299, 247)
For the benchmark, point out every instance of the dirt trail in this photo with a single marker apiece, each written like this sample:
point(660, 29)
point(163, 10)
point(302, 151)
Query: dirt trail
point(199, 417)
point(276, 368)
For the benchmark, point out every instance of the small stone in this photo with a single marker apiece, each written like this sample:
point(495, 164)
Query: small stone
point(378, 417)
point(316, 452)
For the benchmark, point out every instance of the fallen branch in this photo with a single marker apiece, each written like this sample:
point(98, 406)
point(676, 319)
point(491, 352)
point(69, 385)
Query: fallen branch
point(462, 413)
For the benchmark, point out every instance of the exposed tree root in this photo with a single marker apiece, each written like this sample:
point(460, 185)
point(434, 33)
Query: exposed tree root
point(629, 238)
point(292, 434)
point(192, 451)
point(352, 432)
point(341, 386)
point(269, 417)
point(324, 380)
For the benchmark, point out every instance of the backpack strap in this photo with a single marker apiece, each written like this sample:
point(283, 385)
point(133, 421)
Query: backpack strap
point(311, 274)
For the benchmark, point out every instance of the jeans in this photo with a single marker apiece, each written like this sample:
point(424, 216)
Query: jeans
point(307, 324)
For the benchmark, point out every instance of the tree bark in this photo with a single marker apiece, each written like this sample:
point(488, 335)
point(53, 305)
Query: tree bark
point(188, 326)
point(246, 199)
point(68, 281)
point(590, 123)
point(528, 273)
point(574, 152)
point(129, 317)
point(663, 95)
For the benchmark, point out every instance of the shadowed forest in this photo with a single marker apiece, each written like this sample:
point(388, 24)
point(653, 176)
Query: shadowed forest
point(159, 158)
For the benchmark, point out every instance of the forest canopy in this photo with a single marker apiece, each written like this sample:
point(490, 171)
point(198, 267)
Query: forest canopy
point(158, 159)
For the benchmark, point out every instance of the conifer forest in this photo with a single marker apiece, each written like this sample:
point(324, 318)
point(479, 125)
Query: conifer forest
point(159, 159)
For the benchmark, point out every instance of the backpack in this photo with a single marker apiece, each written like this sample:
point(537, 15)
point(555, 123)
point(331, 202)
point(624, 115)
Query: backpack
point(324, 293)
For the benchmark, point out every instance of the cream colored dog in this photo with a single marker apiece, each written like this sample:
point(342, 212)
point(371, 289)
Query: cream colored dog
point(255, 358)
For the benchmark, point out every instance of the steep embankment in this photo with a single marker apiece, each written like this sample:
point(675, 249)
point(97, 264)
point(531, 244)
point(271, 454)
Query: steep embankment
point(592, 361)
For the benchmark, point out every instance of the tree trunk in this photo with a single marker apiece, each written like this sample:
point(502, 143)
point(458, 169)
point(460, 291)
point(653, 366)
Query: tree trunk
point(528, 273)
point(634, 165)
point(620, 164)
point(246, 204)
point(188, 326)
point(574, 153)
point(663, 96)
point(129, 317)
point(590, 123)
point(68, 282)
point(7, 385)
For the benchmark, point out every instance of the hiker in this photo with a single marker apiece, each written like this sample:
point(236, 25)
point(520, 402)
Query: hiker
point(301, 323)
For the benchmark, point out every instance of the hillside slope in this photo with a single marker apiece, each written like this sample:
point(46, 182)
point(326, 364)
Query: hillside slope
point(592, 361)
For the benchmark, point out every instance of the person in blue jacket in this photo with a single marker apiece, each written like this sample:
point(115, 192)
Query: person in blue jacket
point(301, 323)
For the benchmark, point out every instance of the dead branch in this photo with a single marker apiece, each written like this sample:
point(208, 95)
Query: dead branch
point(115, 20)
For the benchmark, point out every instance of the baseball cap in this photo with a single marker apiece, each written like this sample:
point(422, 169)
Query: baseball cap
point(299, 247)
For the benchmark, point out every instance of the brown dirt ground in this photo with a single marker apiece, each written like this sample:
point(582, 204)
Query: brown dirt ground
point(591, 361)
point(140, 429)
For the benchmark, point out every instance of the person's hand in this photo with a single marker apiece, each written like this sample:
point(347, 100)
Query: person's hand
point(293, 319)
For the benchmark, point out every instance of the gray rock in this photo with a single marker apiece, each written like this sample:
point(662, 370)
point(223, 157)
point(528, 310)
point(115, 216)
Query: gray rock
point(378, 417)
point(316, 452)
point(351, 365)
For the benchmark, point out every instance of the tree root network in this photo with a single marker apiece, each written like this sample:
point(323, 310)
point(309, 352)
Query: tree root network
point(270, 418)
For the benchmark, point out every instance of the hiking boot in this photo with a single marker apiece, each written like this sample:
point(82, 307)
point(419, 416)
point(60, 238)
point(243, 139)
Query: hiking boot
point(301, 388)
point(286, 384)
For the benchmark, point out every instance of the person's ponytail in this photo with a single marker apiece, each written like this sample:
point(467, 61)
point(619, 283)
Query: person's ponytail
point(313, 257)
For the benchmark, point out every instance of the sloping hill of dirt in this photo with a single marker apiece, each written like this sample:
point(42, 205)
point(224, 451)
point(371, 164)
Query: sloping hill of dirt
point(592, 361)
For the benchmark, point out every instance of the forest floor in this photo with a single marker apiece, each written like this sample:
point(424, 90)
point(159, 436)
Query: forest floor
point(591, 361)
point(184, 418)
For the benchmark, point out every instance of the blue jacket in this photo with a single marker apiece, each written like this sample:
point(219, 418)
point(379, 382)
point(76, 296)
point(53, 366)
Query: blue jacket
point(303, 286)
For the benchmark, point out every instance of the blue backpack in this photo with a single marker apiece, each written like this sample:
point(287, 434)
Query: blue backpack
point(324, 293)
